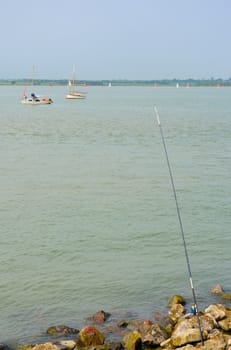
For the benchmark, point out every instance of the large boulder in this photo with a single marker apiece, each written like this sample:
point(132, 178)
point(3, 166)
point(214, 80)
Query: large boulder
point(132, 340)
point(187, 330)
point(153, 336)
point(218, 311)
point(215, 341)
point(89, 336)
point(225, 323)
point(176, 299)
point(176, 311)
point(186, 336)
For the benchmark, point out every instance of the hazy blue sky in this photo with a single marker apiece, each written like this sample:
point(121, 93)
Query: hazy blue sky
point(116, 39)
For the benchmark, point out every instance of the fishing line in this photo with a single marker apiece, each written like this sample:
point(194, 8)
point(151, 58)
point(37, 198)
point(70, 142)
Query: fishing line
point(181, 226)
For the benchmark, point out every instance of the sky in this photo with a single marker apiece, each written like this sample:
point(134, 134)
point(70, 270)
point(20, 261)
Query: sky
point(116, 39)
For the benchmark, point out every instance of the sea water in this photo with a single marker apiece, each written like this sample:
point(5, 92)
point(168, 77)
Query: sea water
point(88, 218)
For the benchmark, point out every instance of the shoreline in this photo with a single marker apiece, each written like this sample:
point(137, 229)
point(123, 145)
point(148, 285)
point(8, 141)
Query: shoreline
point(113, 329)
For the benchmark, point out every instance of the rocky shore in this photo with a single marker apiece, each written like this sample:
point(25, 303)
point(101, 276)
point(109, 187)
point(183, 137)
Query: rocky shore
point(208, 329)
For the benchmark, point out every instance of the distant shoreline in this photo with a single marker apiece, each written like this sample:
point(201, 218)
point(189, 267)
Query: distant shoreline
point(153, 83)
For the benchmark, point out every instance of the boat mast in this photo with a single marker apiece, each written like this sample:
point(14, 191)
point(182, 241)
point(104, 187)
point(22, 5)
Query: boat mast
point(73, 79)
point(33, 75)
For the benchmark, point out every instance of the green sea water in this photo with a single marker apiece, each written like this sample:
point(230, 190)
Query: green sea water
point(88, 218)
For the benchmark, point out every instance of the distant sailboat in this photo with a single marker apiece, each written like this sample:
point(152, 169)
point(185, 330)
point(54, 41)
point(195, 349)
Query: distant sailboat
point(34, 99)
point(72, 94)
point(109, 85)
point(177, 86)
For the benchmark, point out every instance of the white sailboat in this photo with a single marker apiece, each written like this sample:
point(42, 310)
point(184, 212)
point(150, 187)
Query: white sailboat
point(72, 94)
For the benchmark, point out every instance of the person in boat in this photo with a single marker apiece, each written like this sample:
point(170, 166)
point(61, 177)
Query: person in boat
point(33, 95)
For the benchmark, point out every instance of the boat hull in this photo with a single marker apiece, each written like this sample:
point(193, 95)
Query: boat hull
point(75, 96)
point(37, 101)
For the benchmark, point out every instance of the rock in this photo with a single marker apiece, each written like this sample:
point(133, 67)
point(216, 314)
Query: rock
point(153, 335)
point(176, 311)
point(164, 322)
point(62, 330)
point(187, 347)
point(227, 339)
point(217, 289)
point(191, 335)
point(65, 344)
point(215, 341)
point(45, 346)
point(176, 299)
point(226, 296)
point(167, 344)
point(90, 336)
point(134, 324)
point(122, 324)
point(115, 331)
point(4, 347)
point(207, 322)
point(114, 346)
point(99, 317)
point(225, 324)
point(25, 346)
point(187, 331)
point(132, 340)
point(216, 311)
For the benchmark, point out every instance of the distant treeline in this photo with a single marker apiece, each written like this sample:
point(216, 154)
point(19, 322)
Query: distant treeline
point(123, 82)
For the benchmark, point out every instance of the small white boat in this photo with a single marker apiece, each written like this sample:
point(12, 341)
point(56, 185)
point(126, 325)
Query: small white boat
point(72, 94)
point(36, 100)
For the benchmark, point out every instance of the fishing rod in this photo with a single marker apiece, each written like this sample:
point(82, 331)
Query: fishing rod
point(181, 226)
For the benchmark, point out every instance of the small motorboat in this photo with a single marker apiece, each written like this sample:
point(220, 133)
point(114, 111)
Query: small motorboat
point(36, 100)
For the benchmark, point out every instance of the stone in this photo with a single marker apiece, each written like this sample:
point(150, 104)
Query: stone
point(132, 340)
point(216, 311)
point(225, 323)
point(187, 336)
point(65, 344)
point(187, 347)
point(62, 330)
point(4, 347)
point(217, 289)
point(114, 346)
point(122, 324)
point(215, 341)
point(176, 299)
point(45, 346)
point(226, 296)
point(187, 331)
point(176, 311)
point(90, 336)
point(100, 317)
point(153, 335)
